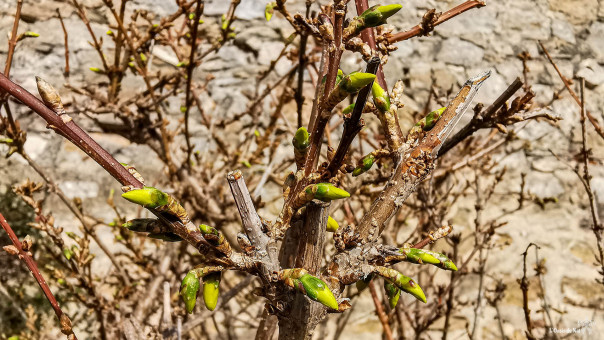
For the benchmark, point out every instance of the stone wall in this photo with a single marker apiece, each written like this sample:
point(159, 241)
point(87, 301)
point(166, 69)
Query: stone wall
point(486, 38)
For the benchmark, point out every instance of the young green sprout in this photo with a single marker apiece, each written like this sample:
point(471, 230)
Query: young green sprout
point(380, 97)
point(402, 282)
point(349, 84)
point(364, 165)
point(325, 192)
point(148, 197)
point(372, 17)
point(392, 292)
point(152, 198)
point(269, 10)
point(332, 225)
point(311, 286)
point(188, 290)
point(301, 142)
point(211, 290)
point(421, 256)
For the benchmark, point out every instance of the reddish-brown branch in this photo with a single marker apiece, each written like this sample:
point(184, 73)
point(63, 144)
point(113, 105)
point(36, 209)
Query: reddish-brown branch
point(72, 132)
point(420, 30)
point(31, 264)
point(333, 63)
point(66, 72)
point(591, 118)
point(12, 43)
point(66, 127)
point(368, 37)
point(380, 311)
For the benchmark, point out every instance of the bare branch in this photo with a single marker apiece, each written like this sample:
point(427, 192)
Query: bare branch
point(25, 256)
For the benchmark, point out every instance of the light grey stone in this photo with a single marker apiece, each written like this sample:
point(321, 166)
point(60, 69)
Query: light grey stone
point(543, 184)
point(81, 189)
point(459, 52)
point(592, 72)
point(595, 40)
point(563, 30)
point(247, 9)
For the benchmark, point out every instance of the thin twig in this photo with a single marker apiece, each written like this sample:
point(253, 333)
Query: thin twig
point(425, 28)
point(593, 206)
point(524, 286)
point(25, 256)
point(367, 35)
point(190, 67)
point(591, 118)
point(66, 72)
point(379, 310)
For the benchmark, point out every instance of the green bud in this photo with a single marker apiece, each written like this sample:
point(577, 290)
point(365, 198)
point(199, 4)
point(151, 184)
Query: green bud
point(188, 290)
point(191, 16)
point(71, 235)
point(143, 57)
point(182, 64)
point(339, 76)
point(317, 290)
point(246, 164)
point(6, 140)
point(139, 224)
point(131, 64)
point(377, 15)
point(428, 122)
point(109, 32)
point(364, 165)
point(326, 192)
point(96, 70)
point(380, 97)
point(348, 109)
point(354, 82)
point(332, 225)
point(393, 293)
point(269, 10)
point(61, 281)
point(30, 34)
point(225, 22)
point(206, 229)
point(408, 285)
point(420, 256)
point(148, 197)
point(14, 337)
point(301, 139)
point(256, 133)
point(183, 109)
point(168, 237)
point(67, 253)
point(210, 290)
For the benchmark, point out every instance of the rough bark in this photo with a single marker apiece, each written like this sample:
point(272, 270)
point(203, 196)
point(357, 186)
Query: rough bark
point(304, 314)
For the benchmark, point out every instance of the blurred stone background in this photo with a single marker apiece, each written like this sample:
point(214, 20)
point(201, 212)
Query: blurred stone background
point(486, 38)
